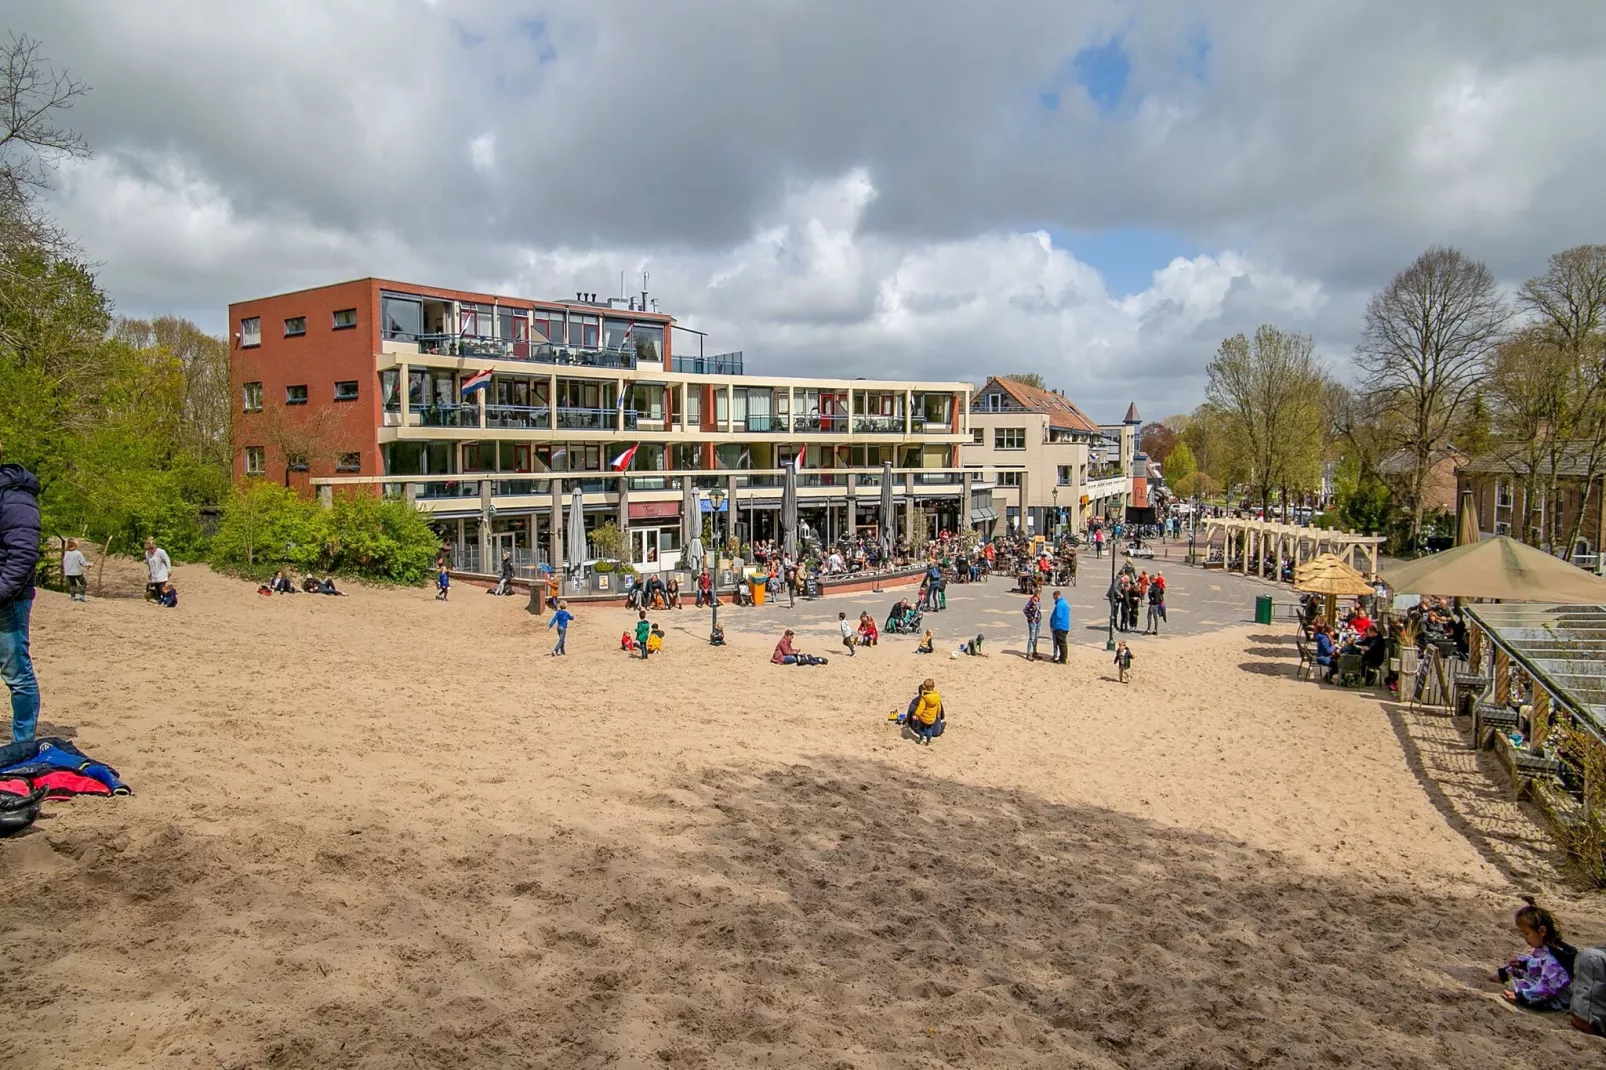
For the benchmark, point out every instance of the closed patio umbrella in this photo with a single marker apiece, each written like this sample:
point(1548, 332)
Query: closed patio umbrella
point(789, 512)
point(575, 560)
point(694, 524)
point(888, 517)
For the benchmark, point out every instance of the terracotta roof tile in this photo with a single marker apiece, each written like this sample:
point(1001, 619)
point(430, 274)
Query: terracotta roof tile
point(1062, 414)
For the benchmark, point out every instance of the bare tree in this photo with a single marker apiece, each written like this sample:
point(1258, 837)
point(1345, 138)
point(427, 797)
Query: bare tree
point(1426, 337)
point(32, 144)
point(302, 440)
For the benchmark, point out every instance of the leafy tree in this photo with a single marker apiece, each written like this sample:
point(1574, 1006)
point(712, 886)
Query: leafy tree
point(1197, 485)
point(1157, 440)
point(1031, 379)
point(1266, 395)
point(1180, 465)
point(266, 527)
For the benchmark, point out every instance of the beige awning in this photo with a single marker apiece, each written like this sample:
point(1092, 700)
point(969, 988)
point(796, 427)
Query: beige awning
point(1502, 568)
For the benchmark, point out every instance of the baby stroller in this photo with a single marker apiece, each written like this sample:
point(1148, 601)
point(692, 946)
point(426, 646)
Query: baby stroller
point(906, 623)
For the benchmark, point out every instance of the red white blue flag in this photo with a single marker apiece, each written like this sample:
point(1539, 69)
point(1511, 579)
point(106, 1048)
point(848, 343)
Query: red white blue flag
point(477, 381)
point(621, 462)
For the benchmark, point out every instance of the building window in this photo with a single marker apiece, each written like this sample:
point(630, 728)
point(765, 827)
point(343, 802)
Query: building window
point(583, 331)
point(1502, 528)
point(978, 436)
point(251, 331)
point(297, 462)
point(1009, 438)
point(349, 462)
point(295, 395)
point(345, 317)
point(402, 317)
point(295, 325)
point(254, 462)
point(346, 391)
point(252, 397)
point(1008, 479)
point(1502, 494)
point(1065, 475)
point(990, 403)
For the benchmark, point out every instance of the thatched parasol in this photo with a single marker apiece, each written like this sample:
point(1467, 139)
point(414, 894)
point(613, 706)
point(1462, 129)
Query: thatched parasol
point(1332, 576)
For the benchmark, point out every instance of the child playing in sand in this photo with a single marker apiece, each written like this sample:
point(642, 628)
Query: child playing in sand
point(1123, 662)
point(443, 583)
point(850, 635)
point(643, 632)
point(925, 714)
point(1542, 977)
point(655, 640)
point(927, 644)
point(561, 621)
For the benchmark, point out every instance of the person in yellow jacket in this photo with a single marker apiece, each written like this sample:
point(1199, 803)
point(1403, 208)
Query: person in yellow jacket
point(925, 713)
point(655, 640)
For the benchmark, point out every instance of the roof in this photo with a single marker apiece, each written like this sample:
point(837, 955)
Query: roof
point(1061, 413)
point(1132, 416)
point(1573, 463)
point(1402, 462)
point(1562, 647)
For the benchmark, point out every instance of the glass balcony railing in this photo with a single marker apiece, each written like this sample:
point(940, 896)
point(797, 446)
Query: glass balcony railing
point(718, 364)
point(448, 415)
point(521, 486)
point(534, 416)
point(878, 425)
point(455, 488)
point(765, 424)
point(820, 425)
point(585, 419)
point(459, 345)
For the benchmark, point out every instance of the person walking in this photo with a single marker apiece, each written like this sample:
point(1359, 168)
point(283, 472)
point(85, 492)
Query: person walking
point(159, 567)
point(1059, 623)
point(561, 621)
point(1034, 622)
point(72, 570)
point(19, 556)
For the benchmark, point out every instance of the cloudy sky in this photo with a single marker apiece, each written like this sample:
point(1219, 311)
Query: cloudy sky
point(1097, 191)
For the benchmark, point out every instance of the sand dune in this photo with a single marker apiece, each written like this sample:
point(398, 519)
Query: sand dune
point(381, 831)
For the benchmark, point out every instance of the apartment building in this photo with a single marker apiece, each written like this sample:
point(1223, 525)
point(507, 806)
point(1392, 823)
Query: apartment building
point(1052, 468)
point(377, 383)
point(1507, 504)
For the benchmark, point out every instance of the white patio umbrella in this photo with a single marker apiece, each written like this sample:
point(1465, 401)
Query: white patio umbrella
point(575, 560)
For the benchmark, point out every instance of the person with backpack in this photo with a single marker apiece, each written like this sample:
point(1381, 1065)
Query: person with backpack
point(19, 556)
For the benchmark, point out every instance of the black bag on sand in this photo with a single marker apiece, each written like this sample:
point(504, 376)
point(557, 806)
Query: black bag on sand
point(17, 812)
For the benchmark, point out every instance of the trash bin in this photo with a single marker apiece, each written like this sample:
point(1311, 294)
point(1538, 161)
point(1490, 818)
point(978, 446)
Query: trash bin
point(759, 591)
point(1262, 609)
point(537, 597)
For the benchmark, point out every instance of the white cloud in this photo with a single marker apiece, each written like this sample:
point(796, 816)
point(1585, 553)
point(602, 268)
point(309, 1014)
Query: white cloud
point(825, 201)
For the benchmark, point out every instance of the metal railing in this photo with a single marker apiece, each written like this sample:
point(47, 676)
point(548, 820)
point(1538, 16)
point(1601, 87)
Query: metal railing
point(467, 345)
point(447, 415)
point(878, 425)
point(585, 419)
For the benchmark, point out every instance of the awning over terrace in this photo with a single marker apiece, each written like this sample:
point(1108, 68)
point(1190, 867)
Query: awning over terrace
point(1562, 647)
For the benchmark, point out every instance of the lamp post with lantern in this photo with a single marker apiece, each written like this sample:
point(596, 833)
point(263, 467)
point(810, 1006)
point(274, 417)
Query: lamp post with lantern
point(716, 498)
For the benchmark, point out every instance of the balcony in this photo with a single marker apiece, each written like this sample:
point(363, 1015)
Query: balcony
point(820, 425)
point(878, 425)
point(454, 345)
point(765, 424)
point(718, 364)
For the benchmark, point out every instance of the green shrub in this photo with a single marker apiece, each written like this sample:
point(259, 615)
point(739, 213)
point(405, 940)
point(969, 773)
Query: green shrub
point(266, 527)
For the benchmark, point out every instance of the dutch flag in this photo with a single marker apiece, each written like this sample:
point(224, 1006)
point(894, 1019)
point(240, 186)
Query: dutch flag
point(477, 381)
point(621, 462)
point(796, 463)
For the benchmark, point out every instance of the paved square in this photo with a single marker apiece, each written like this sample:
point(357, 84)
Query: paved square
point(1197, 601)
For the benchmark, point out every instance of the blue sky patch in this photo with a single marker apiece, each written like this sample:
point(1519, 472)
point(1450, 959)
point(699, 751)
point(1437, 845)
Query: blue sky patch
point(1103, 71)
point(1127, 257)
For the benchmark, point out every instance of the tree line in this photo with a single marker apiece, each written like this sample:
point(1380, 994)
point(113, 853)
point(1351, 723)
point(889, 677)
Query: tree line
point(1445, 361)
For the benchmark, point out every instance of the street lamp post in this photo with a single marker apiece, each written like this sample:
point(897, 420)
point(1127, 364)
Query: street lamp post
point(1054, 495)
point(1109, 642)
point(716, 498)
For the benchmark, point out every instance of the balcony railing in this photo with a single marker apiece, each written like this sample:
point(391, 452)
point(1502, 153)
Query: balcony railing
point(457, 488)
point(878, 425)
point(765, 424)
point(457, 345)
point(448, 415)
point(537, 416)
point(585, 419)
point(820, 425)
point(718, 364)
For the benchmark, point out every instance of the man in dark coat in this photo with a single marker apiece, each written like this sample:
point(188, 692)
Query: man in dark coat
point(19, 555)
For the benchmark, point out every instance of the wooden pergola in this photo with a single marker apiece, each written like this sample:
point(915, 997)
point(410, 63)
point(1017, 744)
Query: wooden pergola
point(1262, 538)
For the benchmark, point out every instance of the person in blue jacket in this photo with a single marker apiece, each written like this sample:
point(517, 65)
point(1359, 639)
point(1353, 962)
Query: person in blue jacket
point(561, 620)
point(19, 556)
point(1059, 622)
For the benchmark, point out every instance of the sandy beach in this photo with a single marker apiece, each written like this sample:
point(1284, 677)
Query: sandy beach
point(382, 831)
